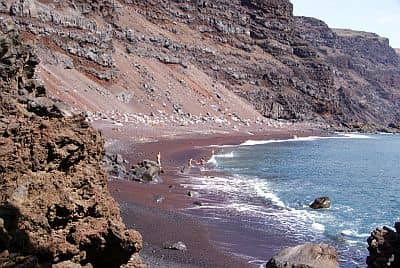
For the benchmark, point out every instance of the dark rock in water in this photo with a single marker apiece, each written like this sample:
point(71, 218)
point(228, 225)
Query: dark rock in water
point(321, 202)
point(176, 246)
point(305, 256)
point(197, 203)
point(193, 194)
point(384, 247)
point(146, 171)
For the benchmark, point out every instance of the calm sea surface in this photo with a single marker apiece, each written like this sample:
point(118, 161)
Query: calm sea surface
point(271, 183)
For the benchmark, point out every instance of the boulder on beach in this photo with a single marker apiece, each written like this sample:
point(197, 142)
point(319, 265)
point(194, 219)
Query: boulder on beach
point(146, 171)
point(384, 247)
point(321, 202)
point(114, 165)
point(305, 256)
point(176, 246)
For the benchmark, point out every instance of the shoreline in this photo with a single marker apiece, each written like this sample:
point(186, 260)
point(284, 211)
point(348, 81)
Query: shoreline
point(169, 221)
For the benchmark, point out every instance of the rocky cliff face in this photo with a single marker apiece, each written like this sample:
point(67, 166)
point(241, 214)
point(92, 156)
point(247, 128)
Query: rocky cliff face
point(262, 60)
point(141, 54)
point(366, 72)
point(55, 208)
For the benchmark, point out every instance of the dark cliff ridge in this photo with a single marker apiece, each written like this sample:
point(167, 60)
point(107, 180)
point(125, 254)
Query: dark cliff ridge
point(365, 68)
point(55, 208)
point(292, 68)
point(341, 76)
point(287, 67)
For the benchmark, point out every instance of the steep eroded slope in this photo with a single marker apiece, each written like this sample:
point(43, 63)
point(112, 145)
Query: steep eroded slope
point(177, 63)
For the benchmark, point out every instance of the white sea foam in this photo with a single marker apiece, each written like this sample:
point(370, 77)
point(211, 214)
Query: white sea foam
point(353, 233)
point(267, 194)
point(356, 136)
point(260, 142)
point(227, 155)
point(243, 195)
point(213, 159)
point(309, 138)
point(339, 135)
point(318, 227)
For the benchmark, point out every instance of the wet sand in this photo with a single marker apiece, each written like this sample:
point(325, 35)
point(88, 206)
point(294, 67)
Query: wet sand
point(167, 221)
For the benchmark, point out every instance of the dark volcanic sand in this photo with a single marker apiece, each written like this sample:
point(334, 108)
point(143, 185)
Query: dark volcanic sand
point(167, 221)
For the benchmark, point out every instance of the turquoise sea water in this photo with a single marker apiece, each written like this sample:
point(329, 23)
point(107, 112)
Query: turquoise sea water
point(271, 184)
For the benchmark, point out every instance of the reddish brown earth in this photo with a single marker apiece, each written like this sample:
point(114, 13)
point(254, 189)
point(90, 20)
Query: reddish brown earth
point(55, 207)
point(207, 64)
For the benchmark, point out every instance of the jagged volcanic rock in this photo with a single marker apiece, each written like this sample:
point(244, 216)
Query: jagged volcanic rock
point(384, 247)
point(55, 208)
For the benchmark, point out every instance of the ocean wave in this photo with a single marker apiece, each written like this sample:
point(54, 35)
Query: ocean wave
point(252, 198)
point(235, 186)
point(227, 155)
point(353, 233)
point(318, 227)
point(213, 159)
point(356, 136)
point(339, 135)
point(267, 194)
point(309, 138)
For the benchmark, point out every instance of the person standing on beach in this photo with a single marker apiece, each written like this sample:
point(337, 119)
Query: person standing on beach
point(159, 159)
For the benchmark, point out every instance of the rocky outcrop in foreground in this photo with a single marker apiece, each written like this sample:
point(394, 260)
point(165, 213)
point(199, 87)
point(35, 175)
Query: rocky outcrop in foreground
point(384, 247)
point(305, 256)
point(55, 208)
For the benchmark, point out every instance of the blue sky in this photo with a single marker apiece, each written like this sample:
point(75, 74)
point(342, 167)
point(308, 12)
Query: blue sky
point(378, 16)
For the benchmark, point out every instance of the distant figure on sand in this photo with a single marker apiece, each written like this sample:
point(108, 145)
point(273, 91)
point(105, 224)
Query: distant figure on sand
point(186, 168)
point(201, 162)
point(159, 159)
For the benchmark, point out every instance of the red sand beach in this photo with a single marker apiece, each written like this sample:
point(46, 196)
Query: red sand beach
point(161, 222)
